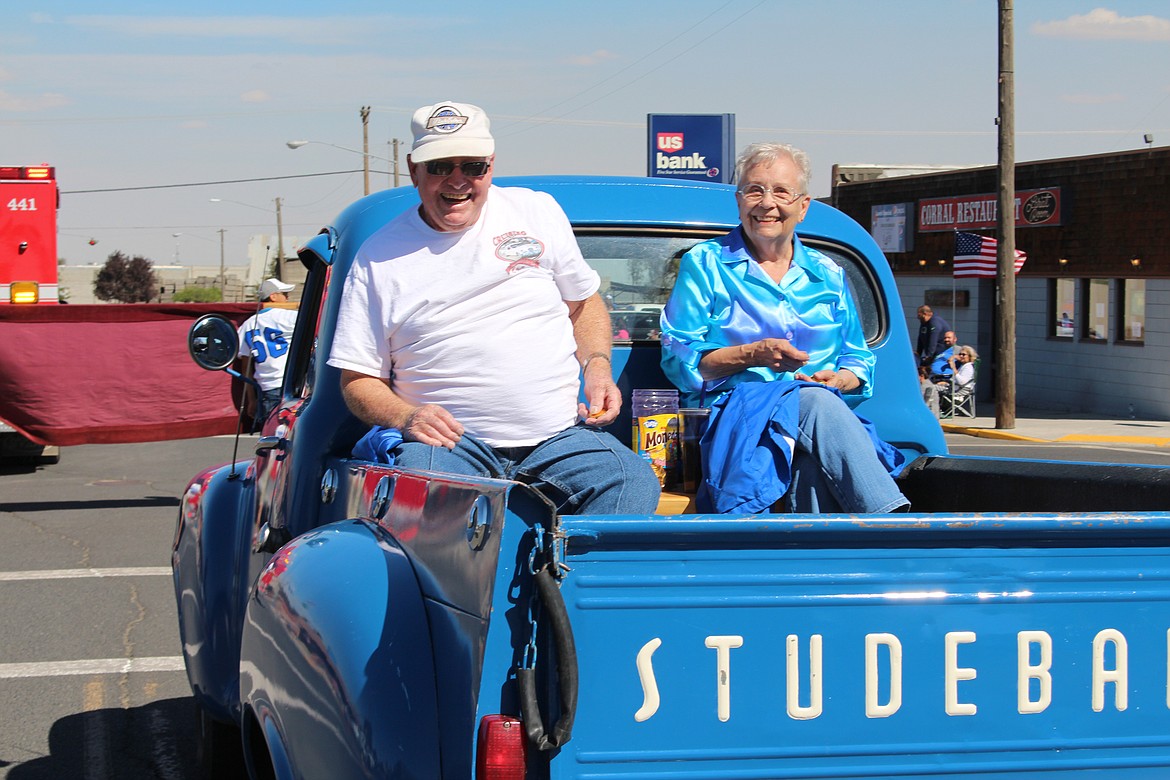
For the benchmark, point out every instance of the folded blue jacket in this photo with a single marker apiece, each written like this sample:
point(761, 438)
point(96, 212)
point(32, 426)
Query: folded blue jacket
point(747, 447)
point(378, 445)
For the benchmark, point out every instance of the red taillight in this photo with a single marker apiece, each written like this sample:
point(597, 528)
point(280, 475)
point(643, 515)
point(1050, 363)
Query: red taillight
point(501, 750)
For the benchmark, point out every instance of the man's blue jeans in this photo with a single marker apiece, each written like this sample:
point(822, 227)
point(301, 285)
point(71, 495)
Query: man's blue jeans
point(582, 470)
point(834, 466)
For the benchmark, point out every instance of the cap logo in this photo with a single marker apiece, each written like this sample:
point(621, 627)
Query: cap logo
point(446, 120)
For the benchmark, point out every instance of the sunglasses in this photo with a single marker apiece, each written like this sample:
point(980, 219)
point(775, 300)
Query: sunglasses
point(474, 169)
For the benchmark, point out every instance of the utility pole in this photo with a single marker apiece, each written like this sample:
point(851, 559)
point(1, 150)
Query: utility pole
point(222, 293)
point(365, 112)
point(394, 157)
point(279, 242)
point(1005, 381)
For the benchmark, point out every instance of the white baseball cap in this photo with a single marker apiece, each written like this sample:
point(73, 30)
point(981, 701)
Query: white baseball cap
point(271, 286)
point(450, 130)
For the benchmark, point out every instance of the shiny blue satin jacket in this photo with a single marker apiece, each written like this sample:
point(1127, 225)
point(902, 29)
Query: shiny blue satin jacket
point(724, 298)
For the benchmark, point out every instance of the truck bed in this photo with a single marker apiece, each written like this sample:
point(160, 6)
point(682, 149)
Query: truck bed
point(921, 645)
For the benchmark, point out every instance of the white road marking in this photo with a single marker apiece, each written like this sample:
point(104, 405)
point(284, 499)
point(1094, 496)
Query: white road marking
point(75, 574)
point(165, 663)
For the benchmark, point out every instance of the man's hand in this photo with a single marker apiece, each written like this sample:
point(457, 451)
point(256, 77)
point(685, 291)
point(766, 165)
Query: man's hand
point(605, 400)
point(372, 401)
point(432, 424)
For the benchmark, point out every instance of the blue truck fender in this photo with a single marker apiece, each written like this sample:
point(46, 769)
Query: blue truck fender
point(336, 665)
point(208, 556)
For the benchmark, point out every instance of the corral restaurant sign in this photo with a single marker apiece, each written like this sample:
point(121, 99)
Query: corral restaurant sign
point(1034, 208)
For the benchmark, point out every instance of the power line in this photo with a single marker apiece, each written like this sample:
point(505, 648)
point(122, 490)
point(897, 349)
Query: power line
point(207, 183)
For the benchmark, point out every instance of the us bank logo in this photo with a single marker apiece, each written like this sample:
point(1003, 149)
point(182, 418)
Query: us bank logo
point(670, 142)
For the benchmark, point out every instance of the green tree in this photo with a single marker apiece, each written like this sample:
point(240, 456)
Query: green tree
point(198, 295)
point(126, 280)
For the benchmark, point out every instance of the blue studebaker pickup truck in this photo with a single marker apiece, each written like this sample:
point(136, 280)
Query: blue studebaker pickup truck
point(345, 619)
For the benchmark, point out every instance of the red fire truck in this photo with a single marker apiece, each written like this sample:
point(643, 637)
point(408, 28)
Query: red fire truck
point(28, 264)
point(28, 234)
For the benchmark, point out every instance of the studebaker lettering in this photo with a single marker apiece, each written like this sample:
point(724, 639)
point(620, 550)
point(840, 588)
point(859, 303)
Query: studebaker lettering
point(1029, 644)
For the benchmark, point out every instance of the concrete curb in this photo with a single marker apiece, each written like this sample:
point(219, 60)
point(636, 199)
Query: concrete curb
point(1073, 438)
point(987, 433)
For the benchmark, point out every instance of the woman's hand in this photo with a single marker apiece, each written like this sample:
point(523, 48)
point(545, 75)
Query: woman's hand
point(776, 354)
point(844, 380)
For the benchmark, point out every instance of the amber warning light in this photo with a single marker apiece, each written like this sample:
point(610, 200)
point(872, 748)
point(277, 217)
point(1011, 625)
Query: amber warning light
point(26, 172)
point(26, 292)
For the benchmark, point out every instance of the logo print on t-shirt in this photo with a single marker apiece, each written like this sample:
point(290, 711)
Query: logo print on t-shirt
point(519, 251)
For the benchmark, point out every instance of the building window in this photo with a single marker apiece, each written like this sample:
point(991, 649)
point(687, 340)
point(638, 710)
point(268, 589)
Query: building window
point(1061, 294)
point(1095, 309)
point(1131, 314)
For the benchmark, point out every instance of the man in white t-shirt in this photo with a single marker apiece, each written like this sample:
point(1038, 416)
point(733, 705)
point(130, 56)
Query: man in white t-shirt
point(467, 324)
point(264, 340)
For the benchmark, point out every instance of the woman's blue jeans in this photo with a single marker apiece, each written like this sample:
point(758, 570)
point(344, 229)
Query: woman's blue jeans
point(581, 469)
point(834, 466)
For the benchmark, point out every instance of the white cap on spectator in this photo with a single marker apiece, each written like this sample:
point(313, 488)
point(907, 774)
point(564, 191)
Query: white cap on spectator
point(271, 286)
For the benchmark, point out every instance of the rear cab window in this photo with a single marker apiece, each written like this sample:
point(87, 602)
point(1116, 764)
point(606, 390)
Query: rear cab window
point(638, 270)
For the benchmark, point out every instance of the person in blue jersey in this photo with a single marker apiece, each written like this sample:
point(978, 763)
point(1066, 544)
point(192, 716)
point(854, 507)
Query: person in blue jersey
point(764, 331)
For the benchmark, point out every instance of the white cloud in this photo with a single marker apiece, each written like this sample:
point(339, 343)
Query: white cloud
point(25, 104)
point(255, 96)
point(1102, 24)
point(595, 58)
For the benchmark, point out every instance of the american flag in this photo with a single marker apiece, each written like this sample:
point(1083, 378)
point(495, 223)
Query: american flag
point(975, 255)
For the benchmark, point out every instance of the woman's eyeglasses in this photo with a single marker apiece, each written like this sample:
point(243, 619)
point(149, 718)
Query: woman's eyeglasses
point(474, 169)
point(754, 193)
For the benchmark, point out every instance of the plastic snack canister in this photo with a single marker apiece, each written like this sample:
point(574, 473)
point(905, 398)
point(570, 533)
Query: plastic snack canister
point(655, 414)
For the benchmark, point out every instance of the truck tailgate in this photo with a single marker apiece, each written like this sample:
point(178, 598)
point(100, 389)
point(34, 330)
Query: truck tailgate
point(889, 647)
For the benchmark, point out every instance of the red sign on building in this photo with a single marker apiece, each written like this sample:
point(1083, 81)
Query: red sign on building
point(1034, 208)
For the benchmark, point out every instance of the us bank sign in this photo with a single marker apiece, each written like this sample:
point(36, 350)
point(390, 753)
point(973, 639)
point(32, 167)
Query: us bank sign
point(698, 147)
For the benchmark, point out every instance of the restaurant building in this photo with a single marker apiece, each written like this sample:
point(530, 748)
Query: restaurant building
point(1092, 298)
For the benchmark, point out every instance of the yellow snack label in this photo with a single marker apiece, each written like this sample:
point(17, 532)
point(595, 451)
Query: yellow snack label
point(656, 436)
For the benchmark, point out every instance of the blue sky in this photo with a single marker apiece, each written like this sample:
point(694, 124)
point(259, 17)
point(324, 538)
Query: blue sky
point(141, 94)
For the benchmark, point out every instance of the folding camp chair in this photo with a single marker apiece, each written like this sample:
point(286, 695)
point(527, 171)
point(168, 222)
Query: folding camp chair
point(959, 401)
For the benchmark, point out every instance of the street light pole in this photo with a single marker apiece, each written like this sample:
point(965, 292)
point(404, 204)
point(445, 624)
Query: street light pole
point(365, 113)
point(222, 292)
point(279, 242)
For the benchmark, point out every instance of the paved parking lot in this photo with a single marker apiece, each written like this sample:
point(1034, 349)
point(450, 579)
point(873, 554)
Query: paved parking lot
point(91, 674)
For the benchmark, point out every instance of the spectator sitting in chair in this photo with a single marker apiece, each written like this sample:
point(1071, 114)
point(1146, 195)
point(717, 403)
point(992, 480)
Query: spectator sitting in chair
point(955, 391)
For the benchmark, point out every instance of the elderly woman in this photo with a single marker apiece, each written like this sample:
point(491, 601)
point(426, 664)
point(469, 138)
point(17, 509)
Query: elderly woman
point(954, 391)
point(764, 330)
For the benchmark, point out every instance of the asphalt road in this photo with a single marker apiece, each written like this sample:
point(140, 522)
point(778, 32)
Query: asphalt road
point(84, 586)
point(90, 670)
point(960, 444)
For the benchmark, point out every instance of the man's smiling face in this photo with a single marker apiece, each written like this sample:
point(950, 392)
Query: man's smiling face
point(451, 201)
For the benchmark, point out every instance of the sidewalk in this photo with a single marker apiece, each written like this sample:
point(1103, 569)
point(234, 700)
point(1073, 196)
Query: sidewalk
point(1041, 425)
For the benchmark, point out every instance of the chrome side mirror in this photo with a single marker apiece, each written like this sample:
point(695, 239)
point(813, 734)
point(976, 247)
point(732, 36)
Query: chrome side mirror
point(213, 342)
